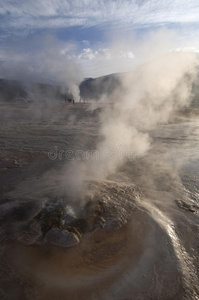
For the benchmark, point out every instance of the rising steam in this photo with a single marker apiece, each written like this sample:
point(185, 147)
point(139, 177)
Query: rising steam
point(145, 98)
point(49, 62)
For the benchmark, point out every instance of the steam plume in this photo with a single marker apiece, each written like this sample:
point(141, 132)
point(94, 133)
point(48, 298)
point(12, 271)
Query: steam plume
point(50, 62)
point(145, 98)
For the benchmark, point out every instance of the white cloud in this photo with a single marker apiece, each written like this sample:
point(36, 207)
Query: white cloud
point(105, 61)
point(187, 49)
point(124, 53)
point(112, 16)
point(34, 14)
point(89, 54)
point(128, 54)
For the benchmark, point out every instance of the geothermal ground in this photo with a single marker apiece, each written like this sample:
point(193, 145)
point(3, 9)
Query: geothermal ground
point(131, 236)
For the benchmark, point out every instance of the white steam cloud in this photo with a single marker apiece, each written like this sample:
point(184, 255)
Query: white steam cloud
point(43, 62)
point(145, 98)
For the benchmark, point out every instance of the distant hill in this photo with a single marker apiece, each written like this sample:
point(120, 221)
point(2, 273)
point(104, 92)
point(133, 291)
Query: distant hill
point(90, 89)
point(94, 88)
point(12, 90)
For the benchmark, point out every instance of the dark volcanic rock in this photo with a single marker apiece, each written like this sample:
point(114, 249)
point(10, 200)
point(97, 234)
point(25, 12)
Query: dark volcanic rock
point(29, 234)
point(53, 221)
point(62, 238)
point(19, 211)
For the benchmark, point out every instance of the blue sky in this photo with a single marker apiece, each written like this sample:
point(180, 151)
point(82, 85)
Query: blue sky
point(100, 36)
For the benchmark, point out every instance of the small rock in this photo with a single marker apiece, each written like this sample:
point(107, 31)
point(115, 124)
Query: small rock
point(62, 238)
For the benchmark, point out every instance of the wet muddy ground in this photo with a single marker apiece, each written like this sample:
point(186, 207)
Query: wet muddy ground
point(135, 235)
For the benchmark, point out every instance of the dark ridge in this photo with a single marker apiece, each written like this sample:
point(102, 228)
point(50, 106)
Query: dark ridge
point(94, 88)
point(13, 90)
point(90, 89)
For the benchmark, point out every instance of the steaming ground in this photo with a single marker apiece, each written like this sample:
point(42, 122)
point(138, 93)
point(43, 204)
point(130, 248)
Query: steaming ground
point(131, 236)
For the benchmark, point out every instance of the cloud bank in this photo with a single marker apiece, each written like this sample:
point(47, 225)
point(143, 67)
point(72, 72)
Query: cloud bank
point(39, 14)
point(91, 23)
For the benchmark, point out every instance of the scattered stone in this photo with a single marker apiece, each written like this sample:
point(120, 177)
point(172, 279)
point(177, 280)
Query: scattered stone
point(184, 205)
